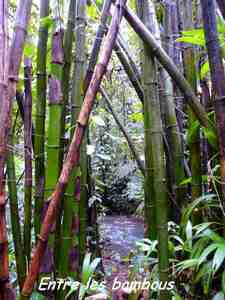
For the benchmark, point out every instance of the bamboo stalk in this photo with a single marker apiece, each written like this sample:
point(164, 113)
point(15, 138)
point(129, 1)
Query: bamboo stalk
point(218, 79)
point(28, 157)
point(8, 92)
point(155, 157)
point(120, 50)
point(4, 131)
point(133, 77)
point(102, 29)
point(66, 72)
point(72, 158)
point(77, 100)
point(54, 134)
point(194, 143)
point(168, 64)
point(71, 216)
point(175, 157)
point(14, 217)
point(40, 116)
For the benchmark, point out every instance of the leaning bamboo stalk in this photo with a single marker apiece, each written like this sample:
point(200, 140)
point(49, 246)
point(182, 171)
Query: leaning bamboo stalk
point(133, 77)
point(27, 157)
point(102, 29)
point(120, 50)
point(168, 64)
point(125, 133)
point(40, 116)
point(72, 158)
point(218, 79)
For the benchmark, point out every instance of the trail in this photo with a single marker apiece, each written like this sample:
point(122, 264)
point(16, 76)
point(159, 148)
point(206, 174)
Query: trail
point(118, 236)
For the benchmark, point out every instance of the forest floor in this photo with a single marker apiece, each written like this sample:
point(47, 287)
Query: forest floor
point(118, 236)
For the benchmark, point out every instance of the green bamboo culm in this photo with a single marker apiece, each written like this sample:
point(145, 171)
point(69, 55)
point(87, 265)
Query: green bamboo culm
point(76, 103)
point(14, 216)
point(66, 82)
point(175, 159)
point(71, 219)
point(154, 150)
point(149, 198)
point(194, 132)
point(27, 157)
point(54, 126)
point(39, 147)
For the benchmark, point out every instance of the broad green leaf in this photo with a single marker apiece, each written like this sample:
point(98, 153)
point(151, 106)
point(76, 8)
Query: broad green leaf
point(199, 247)
point(85, 268)
point(206, 252)
point(186, 264)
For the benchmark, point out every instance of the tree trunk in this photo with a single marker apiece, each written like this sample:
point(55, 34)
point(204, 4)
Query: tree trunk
point(73, 153)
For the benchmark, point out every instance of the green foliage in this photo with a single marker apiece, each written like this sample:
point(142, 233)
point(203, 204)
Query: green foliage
point(197, 37)
point(88, 270)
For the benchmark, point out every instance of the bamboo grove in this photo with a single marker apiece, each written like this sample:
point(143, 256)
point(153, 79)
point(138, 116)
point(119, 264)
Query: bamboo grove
point(50, 89)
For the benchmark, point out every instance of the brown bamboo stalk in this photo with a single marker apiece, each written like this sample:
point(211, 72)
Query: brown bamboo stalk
point(4, 268)
point(8, 92)
point(72, 158)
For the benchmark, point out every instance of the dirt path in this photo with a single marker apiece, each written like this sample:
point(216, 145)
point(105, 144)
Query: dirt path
point(118, 237)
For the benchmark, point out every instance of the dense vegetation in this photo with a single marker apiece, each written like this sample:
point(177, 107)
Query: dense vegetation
point(112, 107)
